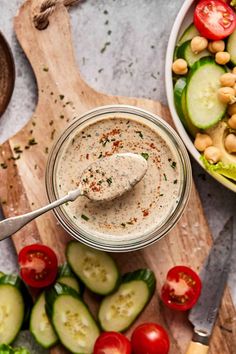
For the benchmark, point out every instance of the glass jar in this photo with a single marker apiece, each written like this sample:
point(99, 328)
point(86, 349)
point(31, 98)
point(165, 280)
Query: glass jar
point(124, 242)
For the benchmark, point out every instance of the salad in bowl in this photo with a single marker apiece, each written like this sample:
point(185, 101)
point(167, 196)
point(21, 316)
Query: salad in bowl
point(201, 84)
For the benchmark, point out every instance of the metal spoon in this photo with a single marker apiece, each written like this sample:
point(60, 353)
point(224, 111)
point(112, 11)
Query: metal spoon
point(101, 181)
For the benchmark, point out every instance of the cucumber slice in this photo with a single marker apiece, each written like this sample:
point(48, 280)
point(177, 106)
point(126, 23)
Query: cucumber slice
point(67, 277)
point(180, 105)
point(231, 47)
point(203, 106)
point(40, 326)
point(71, 319)
point(71, 282)
point(15, 280)
point(11, 312)
point(96, 269)
point(119, 310)
point(188, 34)
point(185, 52)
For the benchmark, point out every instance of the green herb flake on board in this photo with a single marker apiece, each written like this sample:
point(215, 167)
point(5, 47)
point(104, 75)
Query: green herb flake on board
point(109, 181)
point(32, 142)
point(165, 178)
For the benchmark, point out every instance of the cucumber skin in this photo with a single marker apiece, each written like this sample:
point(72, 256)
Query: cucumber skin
point(65, 271)
point(181, 53)
point(145, 275)
point(15, 280)
point(81, 281)
point(40, 343)
point(178, 91)
point(195, 67)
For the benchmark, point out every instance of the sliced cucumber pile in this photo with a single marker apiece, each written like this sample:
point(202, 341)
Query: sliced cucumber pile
point(119, 310)
point(71, 319)
point(185, 52)
point(12, 308)
point(67, 277)
point(40, 326)
point(203, 106)
point(231, 47)
point(96, 269)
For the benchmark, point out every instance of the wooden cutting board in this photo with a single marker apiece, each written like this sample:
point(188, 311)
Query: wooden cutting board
point(22, 188)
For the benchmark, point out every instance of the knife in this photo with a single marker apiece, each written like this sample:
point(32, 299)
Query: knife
point(214, 277)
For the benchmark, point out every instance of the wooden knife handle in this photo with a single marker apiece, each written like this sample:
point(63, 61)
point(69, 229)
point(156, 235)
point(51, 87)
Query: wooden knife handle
point(197, 348)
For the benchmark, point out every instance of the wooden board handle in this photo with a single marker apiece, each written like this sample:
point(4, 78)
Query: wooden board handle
point(197, 348)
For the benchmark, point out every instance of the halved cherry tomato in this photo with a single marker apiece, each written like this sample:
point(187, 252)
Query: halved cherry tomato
point(112, 343)
point(181, 289)
point(38, 265)
point(214, 19)
point(150, 338)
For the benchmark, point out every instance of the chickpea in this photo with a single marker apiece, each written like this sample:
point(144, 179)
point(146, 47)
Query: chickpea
point(212, 154)
point(216, 46)
point(202, 141)
point(198, 44)
point(232, 121)
point(222, 58)
point(232, 109)
point(234, 87)
point(180, 67)
point(228, 79)
point(226, 94)
point(230, 143)
point(234, 70)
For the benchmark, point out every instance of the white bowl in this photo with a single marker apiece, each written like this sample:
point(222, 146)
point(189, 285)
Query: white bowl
point(183, 19)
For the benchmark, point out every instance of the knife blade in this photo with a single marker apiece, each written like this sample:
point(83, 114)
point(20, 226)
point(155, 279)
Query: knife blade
point(214, 276)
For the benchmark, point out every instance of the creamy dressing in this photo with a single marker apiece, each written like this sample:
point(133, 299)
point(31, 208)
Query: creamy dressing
point(111, 177)
point(142, 209)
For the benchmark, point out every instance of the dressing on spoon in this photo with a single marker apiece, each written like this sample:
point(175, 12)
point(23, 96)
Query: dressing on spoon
point(110, 177)
point(103, 180)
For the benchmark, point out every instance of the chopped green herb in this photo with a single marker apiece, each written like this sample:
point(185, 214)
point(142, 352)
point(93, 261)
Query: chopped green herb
point(100, 155)
point(153, 76)
point(4, 165)
point(27, 147)
point(31, 131)
point(67, 203)
point(62, 116)
point(123, 224)
point(165, 178)
point(105, 47)
point(173, 165)
point(45, 69)
point(175, 181)
point(17, 149)
point(74, 217)
point(145, 155)
point(73, 141)
point(161, 195)
point(85, 217)
point(33, 123)
point(35, 167)
point(139, 133)
point(109, 181)
point(32, 142)
point(127, 122)
point(61, 97)
point(53, 133)
point(85, 180)
point(51, 122)
point(3, 202)
point(105, 141)
point(46, 150)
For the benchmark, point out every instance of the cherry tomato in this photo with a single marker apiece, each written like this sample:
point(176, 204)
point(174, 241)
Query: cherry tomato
point(112, 343)
point(38, 265)
point(181, 289)
point(150, 338)
point(214, 19)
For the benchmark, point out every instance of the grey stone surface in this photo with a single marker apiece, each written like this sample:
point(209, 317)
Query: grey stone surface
point(132, 64)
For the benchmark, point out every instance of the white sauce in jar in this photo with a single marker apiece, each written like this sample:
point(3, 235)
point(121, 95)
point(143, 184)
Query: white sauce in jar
point(142, 209)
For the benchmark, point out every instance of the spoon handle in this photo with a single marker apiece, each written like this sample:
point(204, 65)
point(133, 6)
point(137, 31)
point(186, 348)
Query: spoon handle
point(11, 225)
